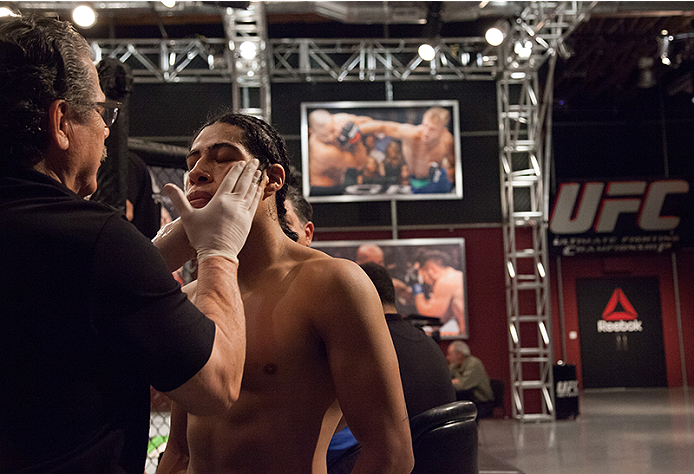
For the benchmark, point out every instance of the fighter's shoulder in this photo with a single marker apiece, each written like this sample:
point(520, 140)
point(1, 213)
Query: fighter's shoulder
point(325, 270)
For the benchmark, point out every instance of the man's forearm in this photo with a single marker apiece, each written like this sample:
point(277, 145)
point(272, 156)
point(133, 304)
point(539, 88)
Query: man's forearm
point(218, 297)
point(216, 386)
point(172, 242)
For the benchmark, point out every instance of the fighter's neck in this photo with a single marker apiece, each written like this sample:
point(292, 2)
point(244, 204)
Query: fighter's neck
point(264, 246)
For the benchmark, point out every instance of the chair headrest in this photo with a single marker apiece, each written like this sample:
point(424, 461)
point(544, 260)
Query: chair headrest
point(462, 410)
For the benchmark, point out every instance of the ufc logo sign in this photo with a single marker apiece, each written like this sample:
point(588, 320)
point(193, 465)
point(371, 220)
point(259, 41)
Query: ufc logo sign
point(580, 208)
point(567, 388)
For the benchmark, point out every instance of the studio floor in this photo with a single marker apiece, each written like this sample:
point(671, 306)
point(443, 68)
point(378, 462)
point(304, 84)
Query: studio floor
point(618, 431)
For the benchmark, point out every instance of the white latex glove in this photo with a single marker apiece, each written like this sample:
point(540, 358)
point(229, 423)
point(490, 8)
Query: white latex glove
point(222, 226)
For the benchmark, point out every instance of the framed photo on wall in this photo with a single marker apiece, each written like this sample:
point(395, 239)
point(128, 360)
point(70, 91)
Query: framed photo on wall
point(376, 151)
point(428, 275)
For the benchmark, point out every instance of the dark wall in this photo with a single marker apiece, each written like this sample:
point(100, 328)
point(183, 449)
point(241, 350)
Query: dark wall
point(175, 110)
point(646, 135)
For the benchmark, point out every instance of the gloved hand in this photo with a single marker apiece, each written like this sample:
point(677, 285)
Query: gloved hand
point(379, 149)
point(221, 227)
point(417, 289)
point(349, 135)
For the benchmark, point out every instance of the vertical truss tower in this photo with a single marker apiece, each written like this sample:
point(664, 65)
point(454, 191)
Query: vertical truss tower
point(246, 32)
point(524, 111)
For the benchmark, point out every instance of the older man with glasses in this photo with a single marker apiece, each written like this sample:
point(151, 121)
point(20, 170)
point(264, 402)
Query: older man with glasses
point(91, 314)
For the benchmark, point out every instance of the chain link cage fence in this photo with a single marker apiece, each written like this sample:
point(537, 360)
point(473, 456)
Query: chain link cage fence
point(160, 404)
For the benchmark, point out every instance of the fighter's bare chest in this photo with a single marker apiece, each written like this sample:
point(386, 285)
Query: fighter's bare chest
point(280, 340)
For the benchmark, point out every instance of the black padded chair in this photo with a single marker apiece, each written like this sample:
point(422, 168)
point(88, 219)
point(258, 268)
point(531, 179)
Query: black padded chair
point(444, 439)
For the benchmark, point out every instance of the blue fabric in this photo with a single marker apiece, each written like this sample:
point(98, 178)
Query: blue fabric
point(340, 441)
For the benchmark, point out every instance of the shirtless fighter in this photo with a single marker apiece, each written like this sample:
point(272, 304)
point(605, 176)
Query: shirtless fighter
point(315, 333)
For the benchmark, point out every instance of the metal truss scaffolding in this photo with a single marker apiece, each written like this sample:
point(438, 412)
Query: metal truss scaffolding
point(246, 31)
point(525, 246)
point(240, 59)
point(524, 113)
point(534, 36)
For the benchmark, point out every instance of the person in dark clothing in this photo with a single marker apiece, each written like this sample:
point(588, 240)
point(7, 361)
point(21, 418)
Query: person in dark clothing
point(91, 314)
point(424, 371)
point(142, 207)
point(299, 216)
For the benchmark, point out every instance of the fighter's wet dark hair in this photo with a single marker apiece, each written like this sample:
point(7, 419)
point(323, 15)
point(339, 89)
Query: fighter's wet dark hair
point(264, 143)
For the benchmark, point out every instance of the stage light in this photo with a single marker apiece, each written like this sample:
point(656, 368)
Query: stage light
point(523, 49)
point(465, 58)
point(497, 33)
point(4, 11)
point(545, 334)
point(511, 269)
point(431, 31)
point(514, 333)
point(426, 52)
point(168, 3)
point(665, 40)
point(248, 50)
point(84, 16)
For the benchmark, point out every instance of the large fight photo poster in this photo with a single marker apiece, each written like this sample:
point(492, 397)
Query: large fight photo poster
point(375, 151)
point(428, 275)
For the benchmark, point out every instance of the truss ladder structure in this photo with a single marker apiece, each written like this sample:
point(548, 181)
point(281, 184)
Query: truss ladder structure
point(524, 112)
point(525, 248)
point(246, 32)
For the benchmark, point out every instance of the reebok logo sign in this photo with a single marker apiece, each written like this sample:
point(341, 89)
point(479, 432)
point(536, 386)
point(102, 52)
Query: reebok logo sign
point(620, 326)
point(619, 315)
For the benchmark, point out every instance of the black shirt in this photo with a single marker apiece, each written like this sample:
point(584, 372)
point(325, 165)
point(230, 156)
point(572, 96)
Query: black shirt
point(90, 318)
point(426, 381)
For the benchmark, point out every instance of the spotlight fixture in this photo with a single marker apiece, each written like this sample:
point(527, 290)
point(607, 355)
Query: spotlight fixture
point(248, 50)
point(426, 52)
point(4, 11)
point(564, 50)
point(432, 30)
point(84, 16)
point(497, 33)
point(523, 49)
point(665, 40)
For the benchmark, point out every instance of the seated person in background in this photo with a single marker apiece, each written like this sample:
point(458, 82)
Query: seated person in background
point(299, 215)
point(423, 371)
point(469, 377)
point(316, 338)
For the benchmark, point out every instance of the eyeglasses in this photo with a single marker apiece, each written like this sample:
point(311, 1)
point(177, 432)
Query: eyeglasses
point(108, 110)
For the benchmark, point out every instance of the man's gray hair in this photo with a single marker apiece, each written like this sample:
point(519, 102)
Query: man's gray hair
point(460, 346)
point(41, 60)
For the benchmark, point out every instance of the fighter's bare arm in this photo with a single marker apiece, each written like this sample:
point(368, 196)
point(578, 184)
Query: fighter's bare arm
point(392, 129)
point(364, 366)
point(439, 299)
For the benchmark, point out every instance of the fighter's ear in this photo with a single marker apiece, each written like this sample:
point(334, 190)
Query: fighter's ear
point(57, 123)
point(276, 176)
